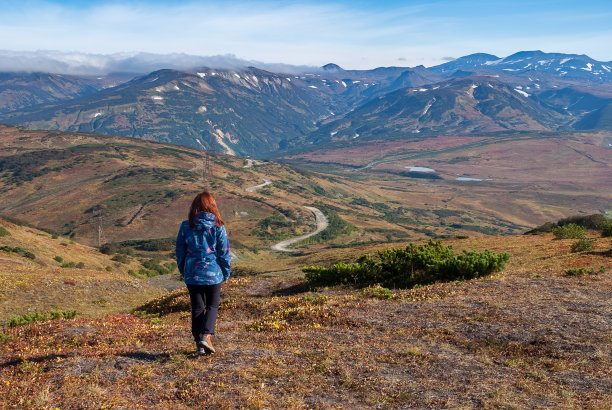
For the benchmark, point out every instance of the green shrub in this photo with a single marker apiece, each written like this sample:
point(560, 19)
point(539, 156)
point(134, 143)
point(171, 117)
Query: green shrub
point(79, 265)
point(19, 251)
point(4, 231)
point(595, 221)
point(153, 268)
point(569, 231)
point(150, 245)
point(68, 265)
point(144, 315)
point(584, 271)
point(377, 292)
point(405, 268)
point(606, 230)
point(18, 320)
point(582, 245)
point(120, 258)
point(109, 268)
point(109, 248)
point(58, 259)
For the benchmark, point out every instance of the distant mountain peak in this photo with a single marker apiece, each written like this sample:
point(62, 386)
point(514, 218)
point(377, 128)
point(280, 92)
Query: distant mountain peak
point(332, 67)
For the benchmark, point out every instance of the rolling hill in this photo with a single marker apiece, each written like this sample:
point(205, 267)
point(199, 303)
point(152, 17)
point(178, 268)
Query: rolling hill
point(66, 182)
point(22, 90)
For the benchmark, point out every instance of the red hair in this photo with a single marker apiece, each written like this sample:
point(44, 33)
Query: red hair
point(204, 202)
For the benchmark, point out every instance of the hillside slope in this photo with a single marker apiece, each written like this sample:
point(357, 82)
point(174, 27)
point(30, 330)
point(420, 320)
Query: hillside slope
point(142, 190)
point(462, 106)
point(529, 337)
point(59, 274)
point(229, 111)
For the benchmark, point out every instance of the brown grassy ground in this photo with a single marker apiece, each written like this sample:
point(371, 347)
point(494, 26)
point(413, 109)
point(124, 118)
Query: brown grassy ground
point(42, 284)
point(531, 337)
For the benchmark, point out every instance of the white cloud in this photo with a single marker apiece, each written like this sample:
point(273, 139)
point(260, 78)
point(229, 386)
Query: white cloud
point(95, 64)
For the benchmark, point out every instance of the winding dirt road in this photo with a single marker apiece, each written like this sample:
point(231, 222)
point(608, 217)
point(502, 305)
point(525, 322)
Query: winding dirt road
point(256, 187)
point(322, 223)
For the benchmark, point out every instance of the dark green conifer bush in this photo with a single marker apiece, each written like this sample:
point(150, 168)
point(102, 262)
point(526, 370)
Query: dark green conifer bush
point(582, 245)
point(569, 231)
point(18, 320)
point(408, 267)
point(606, 230)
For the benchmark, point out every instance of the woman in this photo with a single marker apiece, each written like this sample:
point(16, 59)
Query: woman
point(203, 258)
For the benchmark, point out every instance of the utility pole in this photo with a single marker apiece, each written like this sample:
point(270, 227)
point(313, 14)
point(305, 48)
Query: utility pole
point(101, 237)
point(207, 164)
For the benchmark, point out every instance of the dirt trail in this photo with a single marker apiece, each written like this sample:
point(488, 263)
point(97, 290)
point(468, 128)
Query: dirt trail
point(322, 223)
point(251, 162)
point(256, 187)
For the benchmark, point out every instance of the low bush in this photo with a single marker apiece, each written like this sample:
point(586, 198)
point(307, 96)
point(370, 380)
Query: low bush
point(569, 231)
point(19, 251)
point(154, 268)
point(150, 245)
point(4, 231)
point(582, 245)
point(377, 292)
point(58, 259)
point(606, 231)
point(147, 245)
point(584, 271)
point(595, 221)
point(18, 320)
point(120, 258)
point(175, 301)
point(406, 268)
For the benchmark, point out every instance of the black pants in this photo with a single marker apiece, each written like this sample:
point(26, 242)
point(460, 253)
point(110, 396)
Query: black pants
point(204, 309)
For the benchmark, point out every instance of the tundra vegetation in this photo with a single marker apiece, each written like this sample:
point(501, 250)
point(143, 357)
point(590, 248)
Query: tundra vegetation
point(380, 338)
point(535, 334)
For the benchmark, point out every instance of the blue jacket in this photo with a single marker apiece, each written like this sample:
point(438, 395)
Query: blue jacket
point(203, 253)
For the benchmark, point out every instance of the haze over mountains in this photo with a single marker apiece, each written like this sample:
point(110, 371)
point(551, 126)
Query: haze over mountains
point(251, 111)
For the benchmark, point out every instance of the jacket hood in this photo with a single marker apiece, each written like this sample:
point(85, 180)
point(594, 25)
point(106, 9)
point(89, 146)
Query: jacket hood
point(204, 220)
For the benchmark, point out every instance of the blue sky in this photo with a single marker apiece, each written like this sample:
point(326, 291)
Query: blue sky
point(353, 34)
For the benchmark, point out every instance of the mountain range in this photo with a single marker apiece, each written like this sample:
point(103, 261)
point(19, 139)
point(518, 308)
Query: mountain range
point(250, 111)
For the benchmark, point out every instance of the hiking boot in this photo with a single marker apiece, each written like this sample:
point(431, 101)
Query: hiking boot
point(206, 345)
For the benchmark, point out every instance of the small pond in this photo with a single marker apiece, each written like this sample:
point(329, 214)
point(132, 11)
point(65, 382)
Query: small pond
point(420, 169)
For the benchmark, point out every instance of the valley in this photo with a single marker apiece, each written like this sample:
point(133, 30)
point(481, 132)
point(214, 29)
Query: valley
point(67, 182)
point(320, 169)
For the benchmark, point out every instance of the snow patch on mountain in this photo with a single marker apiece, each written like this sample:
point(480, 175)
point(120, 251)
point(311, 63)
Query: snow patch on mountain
point(523, 93)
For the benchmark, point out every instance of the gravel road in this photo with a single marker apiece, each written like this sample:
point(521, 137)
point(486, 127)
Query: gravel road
point(322, 223)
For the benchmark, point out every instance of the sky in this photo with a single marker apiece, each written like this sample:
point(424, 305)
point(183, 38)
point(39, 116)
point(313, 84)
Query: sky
point(353, 34)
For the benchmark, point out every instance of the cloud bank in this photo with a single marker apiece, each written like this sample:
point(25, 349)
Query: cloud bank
point(138, 63)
